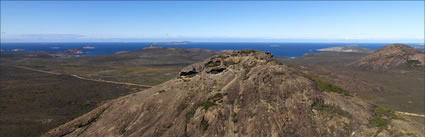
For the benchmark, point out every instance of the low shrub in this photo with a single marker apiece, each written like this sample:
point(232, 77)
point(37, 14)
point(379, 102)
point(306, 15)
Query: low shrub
point(215, 97)
point(331, 109)
point(204, 124)
point(325, 86)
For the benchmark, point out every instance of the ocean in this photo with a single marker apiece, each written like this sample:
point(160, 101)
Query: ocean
point(277, 49)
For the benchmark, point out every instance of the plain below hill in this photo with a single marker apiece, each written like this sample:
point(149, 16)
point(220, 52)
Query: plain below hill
point(32, 102)
point(153, 56)
point(148, 66)
point(246, 93)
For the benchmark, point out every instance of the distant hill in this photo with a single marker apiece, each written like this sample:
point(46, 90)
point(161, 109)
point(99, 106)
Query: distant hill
point(177, 43)
point(392, 56)
point(153, 55)
point(346, 49)
point(245, 93)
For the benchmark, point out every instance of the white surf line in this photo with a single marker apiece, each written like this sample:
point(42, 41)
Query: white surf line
point(410, 114)
point(83, 78)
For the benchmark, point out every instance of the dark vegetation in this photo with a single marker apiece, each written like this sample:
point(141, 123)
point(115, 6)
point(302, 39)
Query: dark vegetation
point(215, 97)
point(210, 102)
point(383, 117)
point(206, 104)
point(330, 109)
point(32, 102)
point(413, 62)
point(325, 86)
point(204, 124)
point(161, 91)
point(213, 64)
point(234, 118)
point(247, 52)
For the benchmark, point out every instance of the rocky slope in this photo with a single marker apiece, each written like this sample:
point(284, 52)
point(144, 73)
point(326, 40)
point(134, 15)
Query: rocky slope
point(246, 93)
point(391, 56)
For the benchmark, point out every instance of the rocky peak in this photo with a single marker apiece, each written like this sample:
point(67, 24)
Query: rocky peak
point(397, 49)
point(392, 56)
point(245, 93)
point(237, 60)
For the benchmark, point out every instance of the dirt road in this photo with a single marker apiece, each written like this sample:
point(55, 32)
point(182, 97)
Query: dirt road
point(83, 78)
point(147, 86)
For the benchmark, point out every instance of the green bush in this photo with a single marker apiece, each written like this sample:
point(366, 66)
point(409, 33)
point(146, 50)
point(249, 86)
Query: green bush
point(247, 70)
point(190, 114)
point(383, 117)
point(122, 131)
point(385, 111)
point(213, 64)
point(378, 122)
point(413, 62)
point(247, 51)
point(331, 109)
point(206, 104)
point(215, 97)
point(325, 86)
point(234, 119)
point(204, 124)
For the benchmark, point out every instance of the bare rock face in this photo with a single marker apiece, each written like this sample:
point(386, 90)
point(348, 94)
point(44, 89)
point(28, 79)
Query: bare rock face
point(395, 55)
point(245, 93)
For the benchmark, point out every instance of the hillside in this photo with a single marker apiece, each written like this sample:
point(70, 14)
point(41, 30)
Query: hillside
point(392, 56)
point(402, 88)
point(31, 102)
point(246, 93)
point(39, 92)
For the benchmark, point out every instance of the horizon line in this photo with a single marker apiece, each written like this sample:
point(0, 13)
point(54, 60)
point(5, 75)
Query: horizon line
point(201, 42)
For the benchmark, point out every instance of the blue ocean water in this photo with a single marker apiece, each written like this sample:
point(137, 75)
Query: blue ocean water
point(277, 49)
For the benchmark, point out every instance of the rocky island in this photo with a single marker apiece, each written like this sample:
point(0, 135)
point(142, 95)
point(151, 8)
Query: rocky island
point(70, 53)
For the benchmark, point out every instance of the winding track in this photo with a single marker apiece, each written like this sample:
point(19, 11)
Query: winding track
point(83, 78)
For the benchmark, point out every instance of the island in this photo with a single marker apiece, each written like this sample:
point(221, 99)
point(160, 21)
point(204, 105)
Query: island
point(89, 47)
point(346, 49)
point(69, 53)
point(16, 50)
point(153, 47)
point(178, 43)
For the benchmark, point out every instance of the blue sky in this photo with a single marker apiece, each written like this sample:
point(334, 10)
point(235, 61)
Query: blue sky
point(212, 21)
